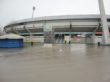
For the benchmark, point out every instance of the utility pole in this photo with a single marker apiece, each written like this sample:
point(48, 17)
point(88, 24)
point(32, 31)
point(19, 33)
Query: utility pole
point(104, 23)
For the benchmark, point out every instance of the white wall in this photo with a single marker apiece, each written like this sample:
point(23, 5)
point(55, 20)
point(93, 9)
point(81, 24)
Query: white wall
point(35, 39)
point(98, 39)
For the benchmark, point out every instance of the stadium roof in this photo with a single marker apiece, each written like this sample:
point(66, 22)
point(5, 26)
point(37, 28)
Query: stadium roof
point(61, 17)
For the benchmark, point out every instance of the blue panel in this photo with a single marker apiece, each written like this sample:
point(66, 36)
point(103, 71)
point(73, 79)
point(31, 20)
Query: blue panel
point(11, 43)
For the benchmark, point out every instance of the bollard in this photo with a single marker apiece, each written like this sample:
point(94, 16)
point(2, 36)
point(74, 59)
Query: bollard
point(69, 42)
point(98, 43)
point(32, 43)
point(65, 41)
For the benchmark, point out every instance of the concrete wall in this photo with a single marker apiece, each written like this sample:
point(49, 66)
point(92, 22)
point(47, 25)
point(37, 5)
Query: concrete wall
point(35, 39)
point(98, 39)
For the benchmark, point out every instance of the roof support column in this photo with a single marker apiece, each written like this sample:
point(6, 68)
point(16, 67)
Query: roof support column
point(104, 23)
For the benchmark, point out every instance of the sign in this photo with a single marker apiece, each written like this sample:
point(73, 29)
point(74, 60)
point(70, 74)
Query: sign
point(47, 28)
point(48, 34)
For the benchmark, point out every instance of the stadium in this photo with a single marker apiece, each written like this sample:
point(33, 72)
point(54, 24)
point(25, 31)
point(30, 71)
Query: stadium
point(81, 28)
point(90, 29)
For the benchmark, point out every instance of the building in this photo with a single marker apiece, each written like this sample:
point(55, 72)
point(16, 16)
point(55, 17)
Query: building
point(79, 27)
point(60, 29)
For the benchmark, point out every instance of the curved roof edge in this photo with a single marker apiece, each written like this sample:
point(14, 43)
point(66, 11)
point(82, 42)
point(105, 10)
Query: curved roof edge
point(60, 17)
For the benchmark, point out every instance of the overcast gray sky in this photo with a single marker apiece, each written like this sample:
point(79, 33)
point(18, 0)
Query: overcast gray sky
point(11, 10)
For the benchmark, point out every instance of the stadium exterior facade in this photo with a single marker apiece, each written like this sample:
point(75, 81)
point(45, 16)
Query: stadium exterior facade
point(82, 28)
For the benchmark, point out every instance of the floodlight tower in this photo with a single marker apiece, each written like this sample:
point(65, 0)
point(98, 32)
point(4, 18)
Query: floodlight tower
point(33, 10)
point(104, 22)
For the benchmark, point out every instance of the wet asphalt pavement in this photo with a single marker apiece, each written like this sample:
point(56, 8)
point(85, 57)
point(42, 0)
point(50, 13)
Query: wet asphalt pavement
point(62, 63)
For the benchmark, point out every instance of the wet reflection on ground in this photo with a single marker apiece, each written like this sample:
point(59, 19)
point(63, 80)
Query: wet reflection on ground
point(62, 63)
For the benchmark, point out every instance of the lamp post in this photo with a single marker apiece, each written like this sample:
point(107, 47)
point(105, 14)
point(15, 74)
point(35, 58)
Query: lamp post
point(33, 11)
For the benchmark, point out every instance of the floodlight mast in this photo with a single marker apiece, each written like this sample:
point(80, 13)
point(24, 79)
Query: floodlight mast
point(33, 10)
point(106, 38)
